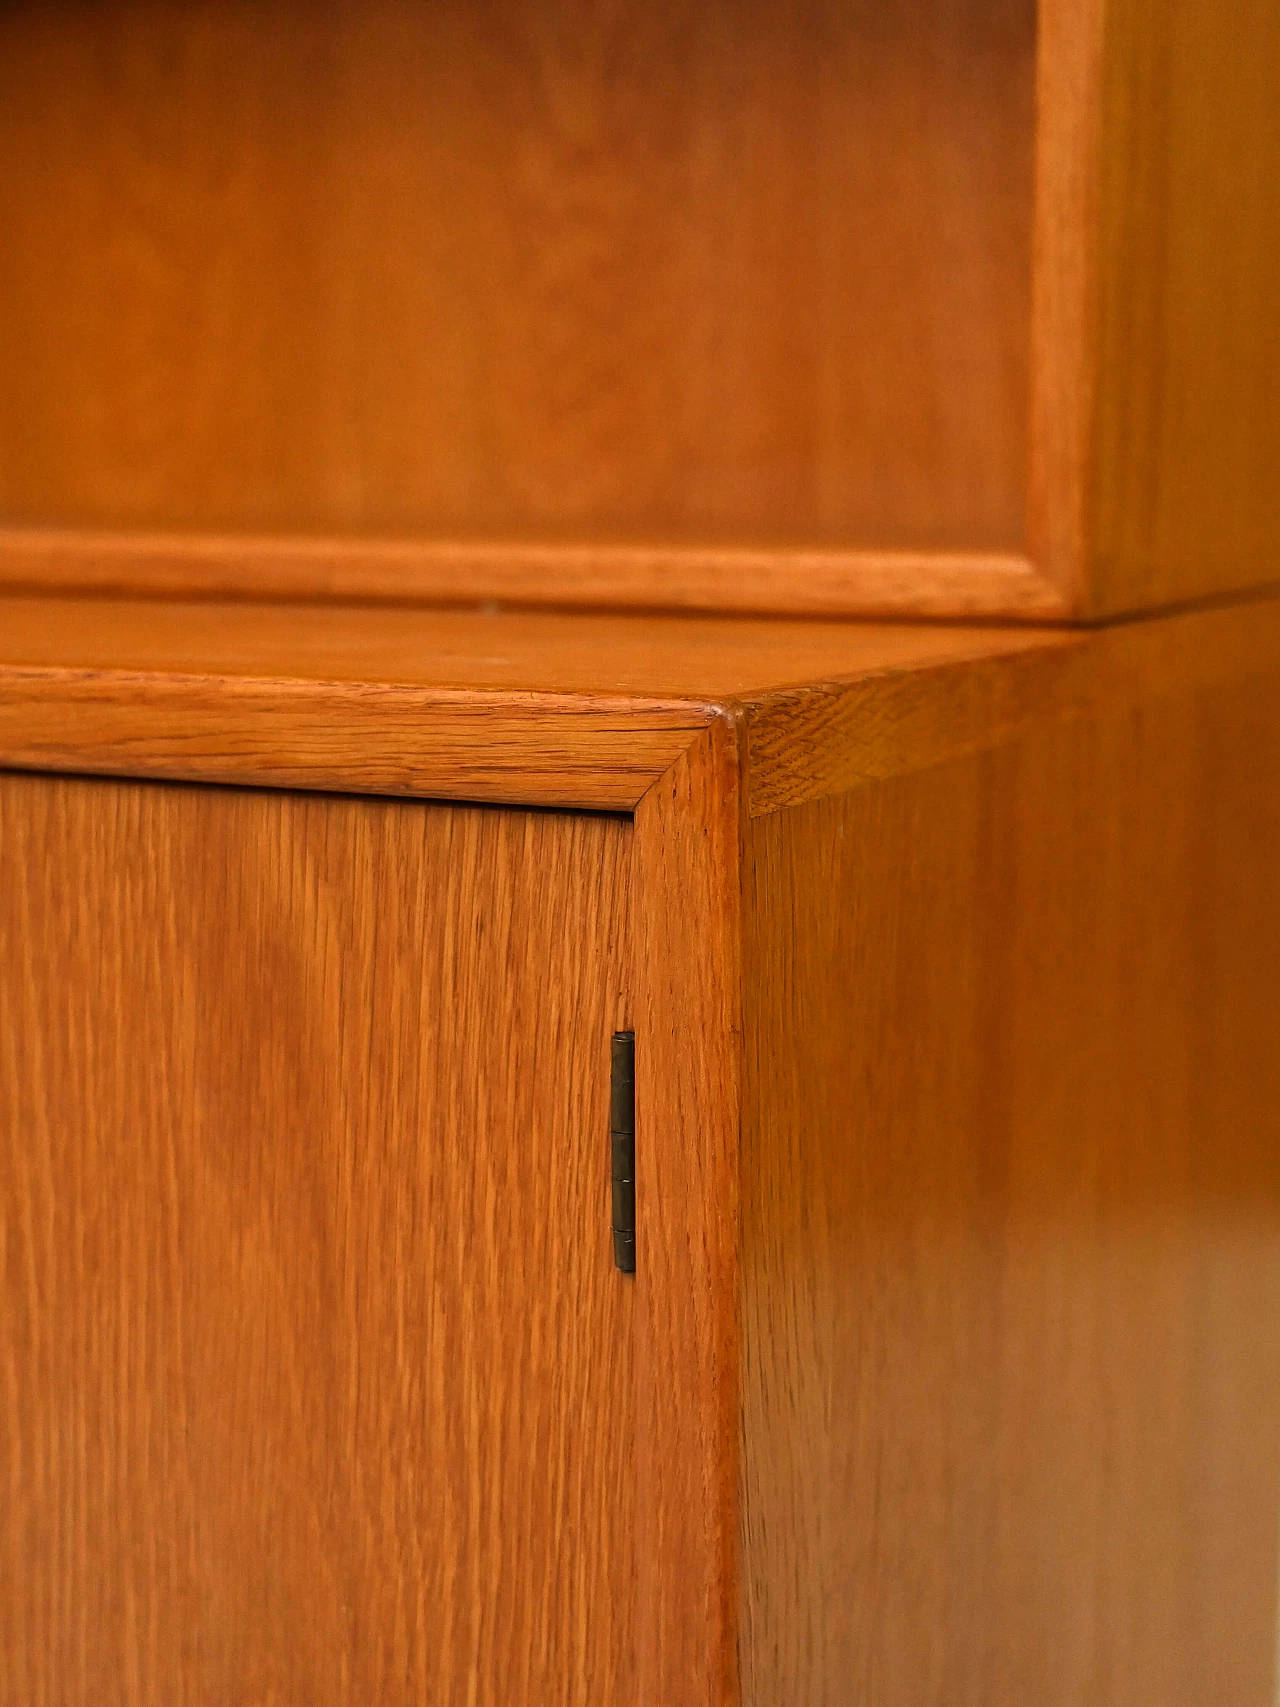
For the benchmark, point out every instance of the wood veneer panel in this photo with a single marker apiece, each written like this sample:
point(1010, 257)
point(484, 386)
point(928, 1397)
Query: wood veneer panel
point(657, 658)
point(1156, 323)
point(520, 271)
point(833, 735)
point(1011, 1219)
point(572, 711)
point(314, 1364)
point(1186, 464)
point(688, 1005)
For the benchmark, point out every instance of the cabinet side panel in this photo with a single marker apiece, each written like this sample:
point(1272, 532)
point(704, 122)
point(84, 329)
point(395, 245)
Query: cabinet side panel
point(1011, 1222)
point(314, 1364)
point(1186, 459)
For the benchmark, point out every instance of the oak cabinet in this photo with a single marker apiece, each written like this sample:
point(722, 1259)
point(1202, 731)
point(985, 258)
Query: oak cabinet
point(949, 1369)
point(429, 434)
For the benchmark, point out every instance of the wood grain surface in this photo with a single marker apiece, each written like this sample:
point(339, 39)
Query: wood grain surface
point(560, 710)
point(831, 736)
point(1011, 1219)
point(503, 652)
point(1156, 319)
point(1070, 51)
point(1186, 462)
point(588, 751)
point(520, 271)
point(315, 1370)
point(688, 1006)
point(950, 1356)
point(944, 309)
point(790, 580)
point(519, 707)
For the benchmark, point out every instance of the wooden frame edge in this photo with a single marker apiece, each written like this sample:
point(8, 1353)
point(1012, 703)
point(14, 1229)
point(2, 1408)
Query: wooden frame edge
point(1064, 292)
point(505, 748)
point(687, 969)
point(808, 743)
point(785, 581)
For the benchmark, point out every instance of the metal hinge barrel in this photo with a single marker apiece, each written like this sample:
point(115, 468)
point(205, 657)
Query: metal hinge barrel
point(622, 1146)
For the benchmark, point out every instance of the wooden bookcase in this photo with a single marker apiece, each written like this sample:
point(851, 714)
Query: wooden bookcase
point(929, 307)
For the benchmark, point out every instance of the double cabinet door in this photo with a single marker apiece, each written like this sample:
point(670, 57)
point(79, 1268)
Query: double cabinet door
point(315, 1361)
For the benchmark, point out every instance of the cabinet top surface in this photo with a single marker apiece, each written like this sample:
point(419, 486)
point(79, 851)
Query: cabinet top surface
point(547, 709)
point(706, 660)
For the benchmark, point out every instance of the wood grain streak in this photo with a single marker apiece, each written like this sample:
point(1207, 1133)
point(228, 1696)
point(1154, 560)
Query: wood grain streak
point(314, 1365)
point(689, 1032)
point(1011, 1220)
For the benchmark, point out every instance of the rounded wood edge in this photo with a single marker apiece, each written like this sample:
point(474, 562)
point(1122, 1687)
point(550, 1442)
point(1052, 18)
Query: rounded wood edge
point(687, 959)
point(583, 752)
point(782, 581)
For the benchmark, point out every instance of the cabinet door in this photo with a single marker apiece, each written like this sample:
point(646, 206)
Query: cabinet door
point(314, 1363)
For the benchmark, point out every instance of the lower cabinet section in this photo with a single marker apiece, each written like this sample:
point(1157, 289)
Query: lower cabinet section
point(949, 1372)
point(315, 1367)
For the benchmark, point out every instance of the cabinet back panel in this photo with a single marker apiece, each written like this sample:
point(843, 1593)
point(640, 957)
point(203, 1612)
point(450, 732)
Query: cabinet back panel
point(314, 1364)
point(516, 269)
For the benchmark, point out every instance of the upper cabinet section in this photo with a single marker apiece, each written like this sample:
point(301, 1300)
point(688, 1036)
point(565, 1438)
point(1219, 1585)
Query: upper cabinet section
point(923, 306)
